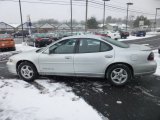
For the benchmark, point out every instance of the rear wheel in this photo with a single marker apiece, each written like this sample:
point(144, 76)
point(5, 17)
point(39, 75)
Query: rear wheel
point(118, 74)
point(27, 71)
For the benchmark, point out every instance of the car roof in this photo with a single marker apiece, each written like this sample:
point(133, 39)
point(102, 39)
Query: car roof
point(83, 36)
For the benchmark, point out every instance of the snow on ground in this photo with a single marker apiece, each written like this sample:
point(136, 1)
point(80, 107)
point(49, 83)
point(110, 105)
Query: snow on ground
point(135, 38)
point(19, 48)
point(22, 101)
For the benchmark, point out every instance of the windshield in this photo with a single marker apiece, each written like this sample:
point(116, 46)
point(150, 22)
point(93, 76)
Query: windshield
point(115, 42)
point(40, 50)
point(5, 36)
point(41, 35)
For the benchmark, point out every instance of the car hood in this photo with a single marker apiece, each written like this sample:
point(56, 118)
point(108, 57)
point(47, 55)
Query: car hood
point(139, 47)
point(25, 55)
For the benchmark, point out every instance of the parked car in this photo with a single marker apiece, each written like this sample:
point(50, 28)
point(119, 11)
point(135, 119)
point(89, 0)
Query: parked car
point(39, 40)
point(123, 34)
point(114, 35)
point(20, 34)
point(110, 34)
point(139, 33)
point(102, 33)
point(6, 42)
point(53, 36)
point(87, 56)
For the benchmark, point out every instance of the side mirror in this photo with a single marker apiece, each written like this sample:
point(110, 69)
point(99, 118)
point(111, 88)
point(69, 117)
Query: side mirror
point(47, 51)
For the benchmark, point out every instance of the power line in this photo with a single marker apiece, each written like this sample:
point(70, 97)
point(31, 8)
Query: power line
point(120, 8)
point(93, 4)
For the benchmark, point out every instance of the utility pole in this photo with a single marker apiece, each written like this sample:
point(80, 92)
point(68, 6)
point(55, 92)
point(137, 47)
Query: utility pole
point(127, 14)
point(155, 24)
point(104, 12)
point(21, 19)
point(71, 18)
point(86, 15)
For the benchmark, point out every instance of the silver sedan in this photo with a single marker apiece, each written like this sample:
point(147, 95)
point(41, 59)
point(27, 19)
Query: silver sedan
point(87, 56)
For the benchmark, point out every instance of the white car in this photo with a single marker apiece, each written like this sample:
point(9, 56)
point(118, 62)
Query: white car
point(110, 34)
point(113, 35)
point(88, 56)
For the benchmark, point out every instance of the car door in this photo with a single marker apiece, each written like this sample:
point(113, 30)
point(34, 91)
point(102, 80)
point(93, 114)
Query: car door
point(58, 58)
point(93, 57)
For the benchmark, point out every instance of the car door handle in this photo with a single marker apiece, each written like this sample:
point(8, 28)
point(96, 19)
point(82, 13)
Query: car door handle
point(108, 56)
point(68, 57)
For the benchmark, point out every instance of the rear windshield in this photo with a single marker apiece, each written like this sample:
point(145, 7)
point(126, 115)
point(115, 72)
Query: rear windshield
point(115, 42)
point(4, 36)
point(41, 35)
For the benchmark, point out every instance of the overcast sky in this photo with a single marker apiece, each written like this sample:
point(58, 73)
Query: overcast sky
point(9, 11)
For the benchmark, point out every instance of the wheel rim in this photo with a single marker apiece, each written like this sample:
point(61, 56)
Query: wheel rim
point(27, 72)
point(119, 75)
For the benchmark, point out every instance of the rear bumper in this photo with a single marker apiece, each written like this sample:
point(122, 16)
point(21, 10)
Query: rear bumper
point(145, 69)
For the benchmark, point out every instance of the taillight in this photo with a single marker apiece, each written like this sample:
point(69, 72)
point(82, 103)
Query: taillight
point(151, 56)
point(38, 39)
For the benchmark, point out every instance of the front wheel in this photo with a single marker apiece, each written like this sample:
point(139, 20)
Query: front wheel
point(118, 74)
point(27, 71)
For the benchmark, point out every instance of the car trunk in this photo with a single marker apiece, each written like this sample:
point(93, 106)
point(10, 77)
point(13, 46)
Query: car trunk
point(7, 43)
point(140, 47)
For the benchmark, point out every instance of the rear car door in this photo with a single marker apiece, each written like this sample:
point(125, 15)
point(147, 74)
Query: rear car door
point(59, 60)
point(93, 57)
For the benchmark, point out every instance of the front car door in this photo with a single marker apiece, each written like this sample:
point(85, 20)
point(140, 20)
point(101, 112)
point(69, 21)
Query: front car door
point(92, 58)
point(59, 60)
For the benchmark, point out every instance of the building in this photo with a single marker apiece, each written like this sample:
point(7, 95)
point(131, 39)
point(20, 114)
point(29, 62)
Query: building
point(79, 27)
point(63, 27)
point(26, 27)
point(46, 28)
point(6, 28)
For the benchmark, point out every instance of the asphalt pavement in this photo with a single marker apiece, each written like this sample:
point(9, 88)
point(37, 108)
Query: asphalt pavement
point(138, 100)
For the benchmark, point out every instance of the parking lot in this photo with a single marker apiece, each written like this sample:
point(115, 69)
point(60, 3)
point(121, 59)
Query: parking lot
point(138, 100)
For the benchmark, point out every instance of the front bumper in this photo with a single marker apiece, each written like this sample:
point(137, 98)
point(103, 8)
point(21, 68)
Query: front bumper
point(11, 67)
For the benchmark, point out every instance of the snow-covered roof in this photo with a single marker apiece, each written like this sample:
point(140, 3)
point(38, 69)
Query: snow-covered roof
point(14, 24)
point(5, 26)
point(79, 26)
point(123, 25)
point(25, 26)
point(112, 24)
point(64, 26)
point(101, 25)
point(47, 26)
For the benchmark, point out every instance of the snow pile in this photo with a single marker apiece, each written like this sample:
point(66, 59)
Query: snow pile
point(19, 48)
point(153, 33)
point(22, 101)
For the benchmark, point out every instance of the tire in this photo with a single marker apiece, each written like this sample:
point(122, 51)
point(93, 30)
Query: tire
point(27, 72)
point(118, 74)
point(13, 49)
point(37, 45)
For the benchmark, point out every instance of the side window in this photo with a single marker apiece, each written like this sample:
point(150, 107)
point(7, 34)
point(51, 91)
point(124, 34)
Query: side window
point(63, 47)
point(89, 46)
point(105, 47)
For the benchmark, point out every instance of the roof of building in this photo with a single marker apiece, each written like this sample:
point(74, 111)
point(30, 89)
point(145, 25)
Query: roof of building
point(4, 25)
